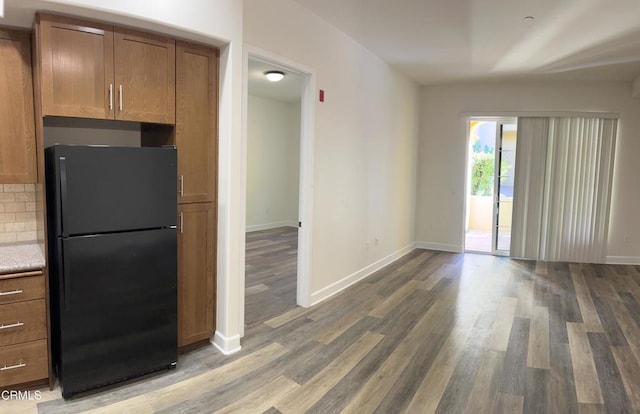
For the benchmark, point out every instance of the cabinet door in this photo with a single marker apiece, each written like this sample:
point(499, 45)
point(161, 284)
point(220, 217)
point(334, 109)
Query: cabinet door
point(145, 70)
point(77, 68)
point(196, 122)
point(17, 132)
point(196, 273)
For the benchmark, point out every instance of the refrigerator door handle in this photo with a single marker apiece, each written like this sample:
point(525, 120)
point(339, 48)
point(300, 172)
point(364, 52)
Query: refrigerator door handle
point(62, 165)
point(66, 280)
point(63, 268)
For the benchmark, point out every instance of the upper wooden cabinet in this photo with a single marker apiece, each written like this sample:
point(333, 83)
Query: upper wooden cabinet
point(196, 122)
point(92, 70)
point(145, 73)
point(77, 67)
point(17, 127)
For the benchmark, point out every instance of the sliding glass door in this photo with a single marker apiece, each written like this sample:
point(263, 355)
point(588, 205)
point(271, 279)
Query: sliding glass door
point(492, 148)
point(504, 183)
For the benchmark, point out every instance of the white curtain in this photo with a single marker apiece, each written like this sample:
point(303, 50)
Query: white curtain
point(563, 188)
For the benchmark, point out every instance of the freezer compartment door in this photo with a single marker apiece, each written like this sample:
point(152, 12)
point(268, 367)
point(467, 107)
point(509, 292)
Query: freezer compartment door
point(118, 307)
point(109, 189)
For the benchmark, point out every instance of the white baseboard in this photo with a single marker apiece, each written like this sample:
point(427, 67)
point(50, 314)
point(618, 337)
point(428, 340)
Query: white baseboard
point(439, 247)
point(623, 260)
point(269, 226)
point(226, 345)
point(357, 276)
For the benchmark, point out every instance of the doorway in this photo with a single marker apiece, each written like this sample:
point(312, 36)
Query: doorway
point(274, 113)
point(490, 183)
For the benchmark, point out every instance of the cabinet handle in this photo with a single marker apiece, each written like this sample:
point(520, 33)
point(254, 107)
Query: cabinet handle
point(110, 97)
point(12, 325)
point(20, 365)
point(182, 186)
point(11, 292)
point(121, 97)
point(181, 223)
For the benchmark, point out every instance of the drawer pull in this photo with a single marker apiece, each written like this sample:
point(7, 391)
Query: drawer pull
point(13, 325)
point(11, 292)
point(20, 365)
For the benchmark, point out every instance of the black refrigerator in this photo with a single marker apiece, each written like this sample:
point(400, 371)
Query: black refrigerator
point(112, 263)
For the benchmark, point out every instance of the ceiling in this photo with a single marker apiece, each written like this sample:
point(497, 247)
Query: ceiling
point(438, 41)
point(288, 89)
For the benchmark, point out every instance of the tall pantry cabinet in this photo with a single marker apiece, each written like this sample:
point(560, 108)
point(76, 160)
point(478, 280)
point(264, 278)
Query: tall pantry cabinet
point(197, 143)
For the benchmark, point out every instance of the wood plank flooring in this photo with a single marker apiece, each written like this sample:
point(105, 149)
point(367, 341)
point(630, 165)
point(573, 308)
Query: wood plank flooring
point(271, 271)
point(431, 333)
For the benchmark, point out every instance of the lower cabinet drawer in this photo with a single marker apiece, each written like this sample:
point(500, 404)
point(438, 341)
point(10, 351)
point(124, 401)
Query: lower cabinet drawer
point(22, 322)
point(19, 289)
point(23, 363)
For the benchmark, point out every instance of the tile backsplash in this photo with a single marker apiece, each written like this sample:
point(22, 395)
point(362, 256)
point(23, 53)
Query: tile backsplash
point(17, 213)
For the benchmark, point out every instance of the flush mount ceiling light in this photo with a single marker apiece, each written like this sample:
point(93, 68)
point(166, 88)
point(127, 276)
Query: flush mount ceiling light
point(274, 75)
point(528, 19)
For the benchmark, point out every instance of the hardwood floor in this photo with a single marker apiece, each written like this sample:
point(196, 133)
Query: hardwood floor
point(271, 267)
point(432, 332)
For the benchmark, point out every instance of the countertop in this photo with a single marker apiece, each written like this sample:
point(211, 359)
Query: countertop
point(20, 257)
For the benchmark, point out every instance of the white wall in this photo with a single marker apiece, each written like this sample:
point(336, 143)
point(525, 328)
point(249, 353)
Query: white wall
point(442, 150)
point(78, 131)
point(215, 22)
point(273, 153)
point(365, 143)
